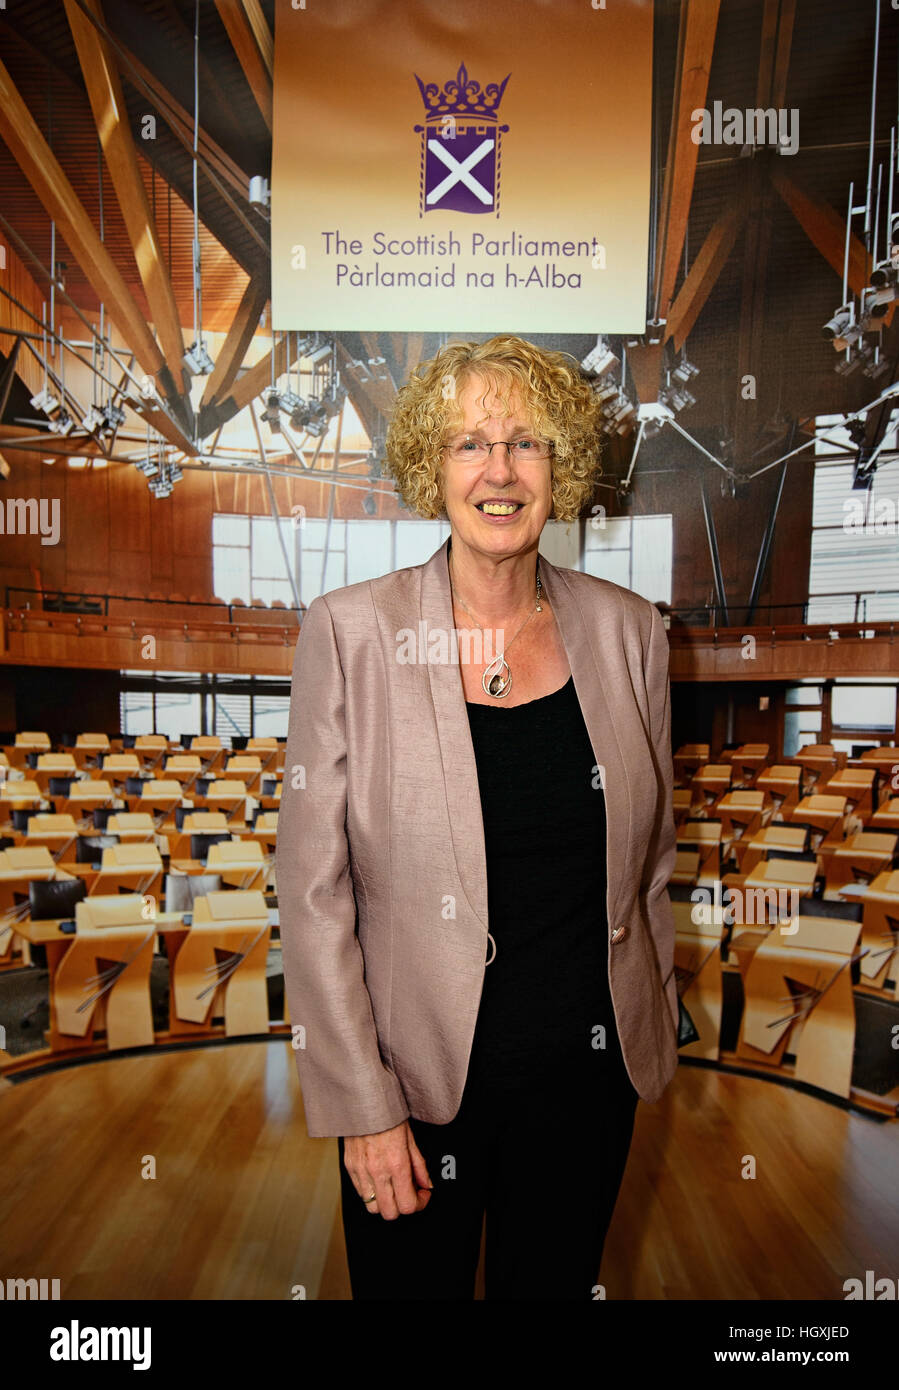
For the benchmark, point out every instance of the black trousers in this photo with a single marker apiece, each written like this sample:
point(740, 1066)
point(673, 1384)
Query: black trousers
point(544, 1161)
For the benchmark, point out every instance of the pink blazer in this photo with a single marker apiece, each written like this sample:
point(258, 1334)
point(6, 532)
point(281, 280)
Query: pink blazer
point(381, 868)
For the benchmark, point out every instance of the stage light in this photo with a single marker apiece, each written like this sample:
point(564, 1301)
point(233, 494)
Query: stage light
point(290, 402)
point(63, 424)
point(272, 413)
point(841, 329)
point(94, 420)
point(333, 401)
point(260, 194)
point(684, 372)
point(45, 401)
point(600, 359)
point(884, 274)
point(321, 354)
point(197, 359)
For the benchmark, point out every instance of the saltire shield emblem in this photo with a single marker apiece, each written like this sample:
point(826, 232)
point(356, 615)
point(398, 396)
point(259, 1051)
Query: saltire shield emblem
point(460, 146)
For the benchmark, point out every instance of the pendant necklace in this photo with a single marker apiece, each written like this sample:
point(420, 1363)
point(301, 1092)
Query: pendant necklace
point(497, 677)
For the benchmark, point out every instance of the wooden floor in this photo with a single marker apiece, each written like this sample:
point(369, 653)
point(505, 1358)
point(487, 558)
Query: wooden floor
point(244, 1206)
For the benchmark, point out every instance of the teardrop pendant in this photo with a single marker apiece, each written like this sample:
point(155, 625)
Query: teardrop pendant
point(498, 685)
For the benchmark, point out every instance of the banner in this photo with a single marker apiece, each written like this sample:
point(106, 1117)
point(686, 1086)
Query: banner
point(476, 167)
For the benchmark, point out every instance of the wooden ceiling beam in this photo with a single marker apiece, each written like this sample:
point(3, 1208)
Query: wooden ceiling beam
point(240, 31)
point(181, 121)
point(246, 389)
point(703, 273)
point(696, 43)
point(262, 34)
point(43, 171)
point(104, 89)
point(825, 229)
point(239, 337)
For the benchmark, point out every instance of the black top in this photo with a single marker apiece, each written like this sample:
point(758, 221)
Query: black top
point(546, 989)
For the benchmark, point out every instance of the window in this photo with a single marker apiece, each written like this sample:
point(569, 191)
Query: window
point(247, 559)
point(853, 572)
point(635, 552)
point(232, 714)
point(201, 703)
point(248, 562)
point(270, 716)
point(871, 708)
point(802, 725)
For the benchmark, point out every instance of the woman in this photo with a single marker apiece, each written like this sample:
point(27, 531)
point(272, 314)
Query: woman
point(481, 740)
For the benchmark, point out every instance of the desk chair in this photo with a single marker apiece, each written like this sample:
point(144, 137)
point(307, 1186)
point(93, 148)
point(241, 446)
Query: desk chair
point(270, 797)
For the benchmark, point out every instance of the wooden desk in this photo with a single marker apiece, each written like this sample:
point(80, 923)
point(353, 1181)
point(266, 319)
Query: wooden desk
point(859, 859)
point(818, 1026)
point(782, 783)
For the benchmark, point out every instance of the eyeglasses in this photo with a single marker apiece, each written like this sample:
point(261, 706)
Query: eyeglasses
point(474, 450)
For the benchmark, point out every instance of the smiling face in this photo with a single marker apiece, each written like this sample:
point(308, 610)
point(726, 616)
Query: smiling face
point(499, 479)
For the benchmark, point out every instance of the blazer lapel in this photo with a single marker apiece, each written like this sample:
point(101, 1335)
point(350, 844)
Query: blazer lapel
point(584, 636)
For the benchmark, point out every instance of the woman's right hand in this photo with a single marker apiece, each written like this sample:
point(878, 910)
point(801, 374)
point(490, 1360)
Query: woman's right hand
point(390, 1165)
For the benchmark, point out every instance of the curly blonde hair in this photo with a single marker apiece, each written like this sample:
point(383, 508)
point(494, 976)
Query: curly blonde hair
point(559, 403)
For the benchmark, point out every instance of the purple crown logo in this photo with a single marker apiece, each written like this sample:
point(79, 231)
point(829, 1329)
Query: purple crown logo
point(462, 96)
